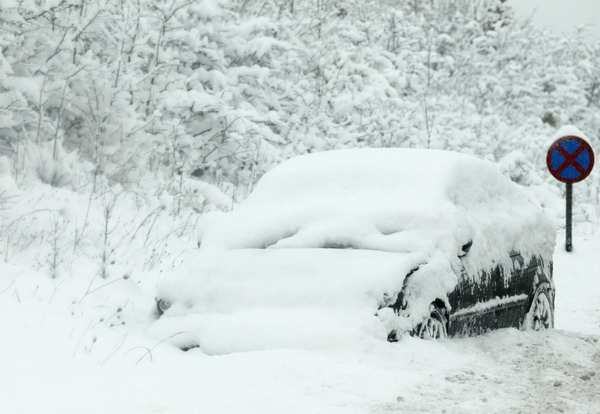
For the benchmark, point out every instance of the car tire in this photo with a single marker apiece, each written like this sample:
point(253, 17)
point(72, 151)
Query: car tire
point(541, 312)
point(434, 327)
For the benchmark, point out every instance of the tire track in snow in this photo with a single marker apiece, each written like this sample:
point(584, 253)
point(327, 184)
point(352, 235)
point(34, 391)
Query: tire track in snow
point(513, 371)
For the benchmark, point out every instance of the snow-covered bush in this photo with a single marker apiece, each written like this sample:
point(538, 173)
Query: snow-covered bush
point(225, 89)
point(48, 162)
point(187, 104)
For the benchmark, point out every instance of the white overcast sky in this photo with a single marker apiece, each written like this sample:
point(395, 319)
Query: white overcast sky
point(563, 15)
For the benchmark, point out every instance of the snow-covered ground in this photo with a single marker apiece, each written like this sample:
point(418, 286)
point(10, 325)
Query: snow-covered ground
point(118, 138)
point(63, 350)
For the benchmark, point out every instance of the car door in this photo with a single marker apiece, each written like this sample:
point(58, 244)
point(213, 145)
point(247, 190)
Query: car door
point(499, 299)
point(517, 290)
point(514, 291)
point(471, 303)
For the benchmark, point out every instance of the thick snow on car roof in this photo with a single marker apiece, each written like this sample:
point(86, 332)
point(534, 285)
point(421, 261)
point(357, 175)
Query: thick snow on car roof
point(388, 199)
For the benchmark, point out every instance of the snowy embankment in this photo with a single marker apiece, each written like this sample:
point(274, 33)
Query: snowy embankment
point(77, 342)
point(59, 357)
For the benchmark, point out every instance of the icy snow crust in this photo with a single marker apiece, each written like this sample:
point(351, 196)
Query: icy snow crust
point(264, 278)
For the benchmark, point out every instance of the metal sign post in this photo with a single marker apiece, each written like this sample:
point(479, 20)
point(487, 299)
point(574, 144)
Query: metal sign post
point(569, 217)
point(570, 159)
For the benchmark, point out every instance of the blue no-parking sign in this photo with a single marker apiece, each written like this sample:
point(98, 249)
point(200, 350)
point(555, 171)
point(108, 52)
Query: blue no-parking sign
point(570, 159)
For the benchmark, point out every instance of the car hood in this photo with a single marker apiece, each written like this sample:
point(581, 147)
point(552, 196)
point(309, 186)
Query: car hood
point(256, 299)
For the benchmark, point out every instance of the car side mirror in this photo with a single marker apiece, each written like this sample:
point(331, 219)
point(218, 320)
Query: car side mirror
point(465, 248)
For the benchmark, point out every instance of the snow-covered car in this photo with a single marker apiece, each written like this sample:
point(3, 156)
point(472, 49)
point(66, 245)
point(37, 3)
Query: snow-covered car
point(365, 243)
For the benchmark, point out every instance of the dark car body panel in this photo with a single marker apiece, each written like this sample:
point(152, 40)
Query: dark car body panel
point(497, 300)
point(491, 300)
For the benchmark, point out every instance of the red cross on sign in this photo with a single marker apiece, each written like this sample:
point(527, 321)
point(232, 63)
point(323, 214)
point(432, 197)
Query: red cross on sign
point(570, 159)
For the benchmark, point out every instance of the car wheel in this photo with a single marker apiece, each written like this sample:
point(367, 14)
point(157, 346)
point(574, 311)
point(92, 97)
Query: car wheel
point(541, 312)
point(434, 327)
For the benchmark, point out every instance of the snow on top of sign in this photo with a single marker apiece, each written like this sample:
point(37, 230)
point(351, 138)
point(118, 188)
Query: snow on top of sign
point(570, 130)
point(264, 276)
